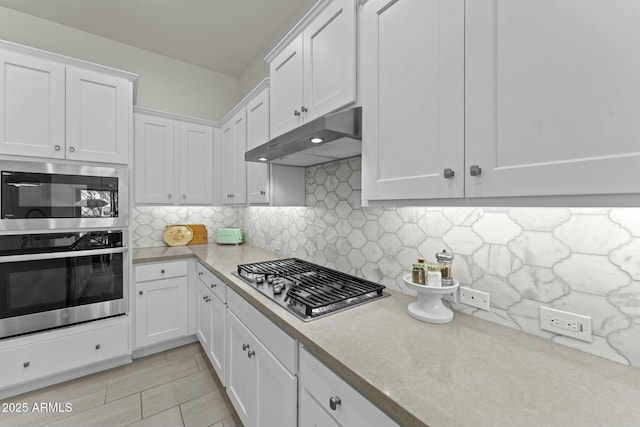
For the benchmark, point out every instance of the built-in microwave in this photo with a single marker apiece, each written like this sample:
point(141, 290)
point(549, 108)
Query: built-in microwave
point(49, 196)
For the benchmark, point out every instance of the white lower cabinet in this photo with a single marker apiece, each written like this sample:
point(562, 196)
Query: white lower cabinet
point(326, 400)
point(212, 319)
point(161, 302)
point(56, 354)
point(261, 381)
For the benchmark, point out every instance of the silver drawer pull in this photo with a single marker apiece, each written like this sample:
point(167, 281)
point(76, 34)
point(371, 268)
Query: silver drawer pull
point(26, 364)
point(72, 149)
point(200, 273)
point(97, 346)
point(334, 402)
point(245, 347)
point(475, 170)
point(251, 354)
point(140, 292)
point(449, 173)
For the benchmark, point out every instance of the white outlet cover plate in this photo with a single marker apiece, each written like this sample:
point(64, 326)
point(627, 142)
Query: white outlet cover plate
point(474, 298)
point(565, 323)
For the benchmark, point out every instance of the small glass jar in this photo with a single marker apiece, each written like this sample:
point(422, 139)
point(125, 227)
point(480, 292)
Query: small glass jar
point(417, 274)
point(445, 259)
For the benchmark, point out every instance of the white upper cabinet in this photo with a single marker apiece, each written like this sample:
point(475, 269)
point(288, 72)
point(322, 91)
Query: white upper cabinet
point(258, 134)
point(314, 73)
point(285, 74)
point(154, 159)
point(234, 169)
point(195, 151)
point(551, 97)
point(50, 108)
point(98, 116)
point(413, 99)
point(173, 160)
point(510, 99)
point(329, 47)
point(32, 104)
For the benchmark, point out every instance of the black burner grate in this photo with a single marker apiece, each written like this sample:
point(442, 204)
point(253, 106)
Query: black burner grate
point(314, 286)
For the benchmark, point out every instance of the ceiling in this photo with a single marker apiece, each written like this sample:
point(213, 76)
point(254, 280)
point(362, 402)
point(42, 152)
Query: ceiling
point(220, 35)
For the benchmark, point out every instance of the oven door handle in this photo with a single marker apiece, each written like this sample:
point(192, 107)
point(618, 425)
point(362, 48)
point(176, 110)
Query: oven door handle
point(58, 255)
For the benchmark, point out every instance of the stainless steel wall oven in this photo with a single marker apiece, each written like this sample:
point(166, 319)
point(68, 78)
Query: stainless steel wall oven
point(57, 279)
point(43, 196)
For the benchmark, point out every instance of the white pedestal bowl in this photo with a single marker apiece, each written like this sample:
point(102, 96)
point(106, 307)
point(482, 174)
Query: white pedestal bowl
point(429, 307)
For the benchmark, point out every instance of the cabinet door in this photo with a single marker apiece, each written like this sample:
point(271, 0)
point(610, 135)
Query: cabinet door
point(413, 96)
point(32, 106)
point(203, 323)
point(195, 151)
point(330, 59)
point(217, 347)
point(312, 414)
point(98, 116)
point(154, 160)
point(234, 171)
point(551, 97)
point(285, 72)
point(242, 375)
point(276, 391)
point(161, 310)
point(258, 134)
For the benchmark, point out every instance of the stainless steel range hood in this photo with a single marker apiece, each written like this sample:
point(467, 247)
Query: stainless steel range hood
point(338, 137)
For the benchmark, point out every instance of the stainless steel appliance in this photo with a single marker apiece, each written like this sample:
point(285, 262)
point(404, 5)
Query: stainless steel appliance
point(327, 138)
point(57, 279)
point(43, 196)
point(308, 290)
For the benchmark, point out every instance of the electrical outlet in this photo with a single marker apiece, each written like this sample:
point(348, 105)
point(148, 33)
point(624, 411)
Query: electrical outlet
point(474, 298)
point(453, 296)
point(564, 323)
point(276, 245)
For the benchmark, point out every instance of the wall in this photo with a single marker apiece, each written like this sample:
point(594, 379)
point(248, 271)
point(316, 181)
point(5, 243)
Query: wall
point(583, 260)
point(148, 222)
point(580, 260)
point(165, 84)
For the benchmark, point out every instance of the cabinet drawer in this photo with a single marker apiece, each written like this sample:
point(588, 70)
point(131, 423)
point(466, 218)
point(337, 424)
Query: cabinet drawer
point(281, 345)
point(213, 282)
point(323, 384)
point(33, 361)
point(162, 270)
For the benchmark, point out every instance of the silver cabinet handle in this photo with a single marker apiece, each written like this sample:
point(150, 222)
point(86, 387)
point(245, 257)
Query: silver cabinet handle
point(26, 364)
point(57, 147)
point(162, 271)
point(184, 196)
point(334, 402)
point(97, 346)
point(251, 354)
point(475, 170)
point(262, 192)
point(245, 347)
point(303, 109)
point(296, 113)
point(169, 196)
point(140, 292)
point(200, 273)
point(213, 285)
point(72, 149)
point(449, 173)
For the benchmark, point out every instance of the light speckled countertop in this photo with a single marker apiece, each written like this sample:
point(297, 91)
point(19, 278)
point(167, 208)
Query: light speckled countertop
point(466, 373)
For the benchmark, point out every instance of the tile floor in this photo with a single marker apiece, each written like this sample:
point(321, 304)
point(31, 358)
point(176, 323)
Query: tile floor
point(175, 388)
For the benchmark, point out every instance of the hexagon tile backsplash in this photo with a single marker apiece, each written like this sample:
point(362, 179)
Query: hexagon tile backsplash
point(148, 222)
point(583, 260)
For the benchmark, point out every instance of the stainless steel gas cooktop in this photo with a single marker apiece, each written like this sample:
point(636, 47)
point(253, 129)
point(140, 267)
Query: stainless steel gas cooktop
point(308, 290)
